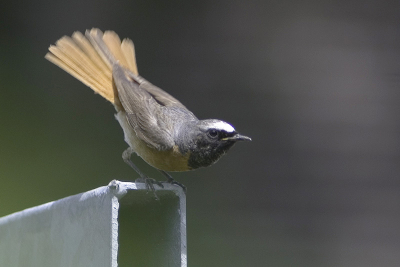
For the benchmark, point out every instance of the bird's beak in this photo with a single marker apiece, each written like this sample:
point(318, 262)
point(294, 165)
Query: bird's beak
point(237, 137)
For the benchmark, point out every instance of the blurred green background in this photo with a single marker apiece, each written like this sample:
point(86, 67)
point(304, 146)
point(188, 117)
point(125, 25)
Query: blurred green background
point(314, 83)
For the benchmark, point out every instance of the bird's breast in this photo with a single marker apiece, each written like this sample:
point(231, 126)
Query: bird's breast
point(169, 160)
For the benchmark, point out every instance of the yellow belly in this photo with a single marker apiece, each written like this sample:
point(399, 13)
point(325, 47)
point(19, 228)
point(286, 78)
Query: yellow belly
point(170, 160)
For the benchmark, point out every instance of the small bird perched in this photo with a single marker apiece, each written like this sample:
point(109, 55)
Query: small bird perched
point(157, 127)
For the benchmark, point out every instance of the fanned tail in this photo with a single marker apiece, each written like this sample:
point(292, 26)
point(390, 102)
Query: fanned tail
point(90, 58)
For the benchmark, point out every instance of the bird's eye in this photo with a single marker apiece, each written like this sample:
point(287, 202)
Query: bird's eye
point(213, 133)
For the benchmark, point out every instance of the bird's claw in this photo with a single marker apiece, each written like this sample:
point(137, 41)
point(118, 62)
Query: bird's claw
point(150, 182)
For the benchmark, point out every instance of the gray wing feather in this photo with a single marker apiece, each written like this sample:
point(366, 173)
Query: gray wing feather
point(143, 113)
point(161, 96)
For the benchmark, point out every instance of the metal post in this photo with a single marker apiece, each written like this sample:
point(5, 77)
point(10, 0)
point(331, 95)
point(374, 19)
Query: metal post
point(120, 222)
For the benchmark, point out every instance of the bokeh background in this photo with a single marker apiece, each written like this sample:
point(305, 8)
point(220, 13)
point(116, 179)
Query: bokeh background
point(314, 83)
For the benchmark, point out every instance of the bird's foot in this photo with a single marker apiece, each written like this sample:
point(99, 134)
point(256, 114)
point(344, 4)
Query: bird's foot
point(150, 182)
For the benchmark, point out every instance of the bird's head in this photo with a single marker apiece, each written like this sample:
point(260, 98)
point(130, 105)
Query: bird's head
point(209, 140)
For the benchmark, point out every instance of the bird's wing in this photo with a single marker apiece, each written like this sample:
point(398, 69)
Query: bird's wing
point(143, 112)
point(161, 96)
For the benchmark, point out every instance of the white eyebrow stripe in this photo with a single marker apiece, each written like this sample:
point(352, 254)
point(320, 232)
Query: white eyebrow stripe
point(221, 125)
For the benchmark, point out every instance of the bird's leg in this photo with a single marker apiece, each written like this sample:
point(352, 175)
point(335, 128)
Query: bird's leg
point(126, 156)
point(171, 180)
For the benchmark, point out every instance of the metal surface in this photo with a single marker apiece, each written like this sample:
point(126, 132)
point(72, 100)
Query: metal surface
point(94, 228)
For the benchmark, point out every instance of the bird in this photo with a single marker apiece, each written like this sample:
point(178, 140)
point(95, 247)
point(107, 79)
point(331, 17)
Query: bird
point(157, 127)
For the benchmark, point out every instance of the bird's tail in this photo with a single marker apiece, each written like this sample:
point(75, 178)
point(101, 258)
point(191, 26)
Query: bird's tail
point(90, 58)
